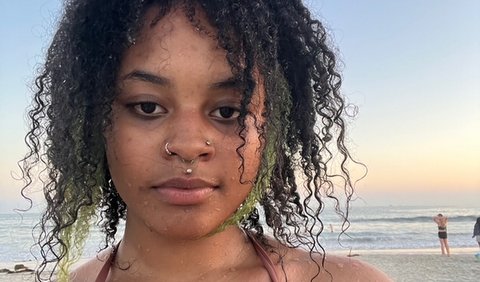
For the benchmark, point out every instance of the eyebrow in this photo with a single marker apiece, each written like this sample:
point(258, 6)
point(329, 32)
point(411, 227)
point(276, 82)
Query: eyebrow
point(147, 77)
point(229, 83)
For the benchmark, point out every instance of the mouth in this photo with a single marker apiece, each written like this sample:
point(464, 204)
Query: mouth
point(185, 191)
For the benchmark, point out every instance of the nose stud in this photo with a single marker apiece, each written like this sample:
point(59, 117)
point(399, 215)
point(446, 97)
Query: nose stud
point(208, 142)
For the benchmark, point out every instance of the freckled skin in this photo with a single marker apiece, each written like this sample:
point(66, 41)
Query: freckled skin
point(135, 147)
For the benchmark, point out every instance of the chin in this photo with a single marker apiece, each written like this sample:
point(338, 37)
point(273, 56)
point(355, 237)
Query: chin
point(191, 228)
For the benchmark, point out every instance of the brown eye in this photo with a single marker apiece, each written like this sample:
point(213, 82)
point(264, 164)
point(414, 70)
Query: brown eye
point(226, 113)
point(148, 109)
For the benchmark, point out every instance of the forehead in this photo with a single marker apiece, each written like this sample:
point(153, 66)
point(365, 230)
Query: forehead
point(175, 40)
point(175, 19)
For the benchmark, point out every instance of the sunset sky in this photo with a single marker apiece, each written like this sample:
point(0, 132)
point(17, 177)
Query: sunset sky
point(412, 68)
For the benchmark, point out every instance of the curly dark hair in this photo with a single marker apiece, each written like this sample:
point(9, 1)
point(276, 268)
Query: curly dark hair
point(304, 111)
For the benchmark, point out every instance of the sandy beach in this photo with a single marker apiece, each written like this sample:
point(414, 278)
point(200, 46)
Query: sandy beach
point(403, 265)
point(426, 267)
point(409, 265)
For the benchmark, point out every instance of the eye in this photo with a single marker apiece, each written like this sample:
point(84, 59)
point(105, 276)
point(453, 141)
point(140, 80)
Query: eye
point(149, 109)
point(226, 113)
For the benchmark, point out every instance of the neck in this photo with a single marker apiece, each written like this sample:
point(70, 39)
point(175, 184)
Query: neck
point(158, 255)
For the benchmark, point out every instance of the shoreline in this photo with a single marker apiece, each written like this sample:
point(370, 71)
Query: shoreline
point(410, 251)
point(428, 264)
point(403, 265)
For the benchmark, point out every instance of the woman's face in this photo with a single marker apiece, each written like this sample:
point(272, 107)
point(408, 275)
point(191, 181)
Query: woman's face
point(176, 86)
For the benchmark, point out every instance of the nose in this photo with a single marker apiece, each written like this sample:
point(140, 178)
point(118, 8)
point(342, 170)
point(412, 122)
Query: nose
point(190, 151)
point(188, 140)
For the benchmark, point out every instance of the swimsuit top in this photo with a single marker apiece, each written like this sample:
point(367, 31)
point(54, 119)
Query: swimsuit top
point(267, 262)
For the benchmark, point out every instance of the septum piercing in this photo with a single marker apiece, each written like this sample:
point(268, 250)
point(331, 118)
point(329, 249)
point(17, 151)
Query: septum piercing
point(188, 170)
point(188, 161)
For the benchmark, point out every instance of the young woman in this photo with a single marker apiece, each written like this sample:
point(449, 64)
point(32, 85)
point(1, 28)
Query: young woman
point(441, 222)
point(200, 123)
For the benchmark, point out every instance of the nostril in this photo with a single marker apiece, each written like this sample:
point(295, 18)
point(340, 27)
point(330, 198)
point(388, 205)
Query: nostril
point(189, 151)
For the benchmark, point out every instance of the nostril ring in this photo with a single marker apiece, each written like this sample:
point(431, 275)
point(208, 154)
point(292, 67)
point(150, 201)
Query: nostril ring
point(167, 150)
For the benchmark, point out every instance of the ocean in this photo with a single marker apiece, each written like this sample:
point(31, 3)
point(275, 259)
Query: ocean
point(402, 227)
point(371, 228)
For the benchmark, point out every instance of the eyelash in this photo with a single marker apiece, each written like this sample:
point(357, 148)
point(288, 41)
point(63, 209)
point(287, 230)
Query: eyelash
point(156, 110)
point(139, 108)
point(233, 116)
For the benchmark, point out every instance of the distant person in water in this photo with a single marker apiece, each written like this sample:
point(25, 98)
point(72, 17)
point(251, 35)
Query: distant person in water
point(476, 231)
point(442, 221)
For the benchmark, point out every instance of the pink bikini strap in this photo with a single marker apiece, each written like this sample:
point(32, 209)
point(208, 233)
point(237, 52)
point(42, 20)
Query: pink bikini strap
point(267, 262)
point(103, 274)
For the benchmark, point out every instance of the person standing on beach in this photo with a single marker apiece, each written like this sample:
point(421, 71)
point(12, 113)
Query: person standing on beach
point(476, 231)
point(200, 124)
point(442, 232)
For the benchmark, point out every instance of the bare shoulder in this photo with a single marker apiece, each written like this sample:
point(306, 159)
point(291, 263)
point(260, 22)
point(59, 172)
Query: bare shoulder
point(299, 266)
point(88, 271)
point(350, 269)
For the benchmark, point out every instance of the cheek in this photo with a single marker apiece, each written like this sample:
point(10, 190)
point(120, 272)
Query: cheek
point(241, 166)
point(251, 152)
point(127, 159)
point(118, 162)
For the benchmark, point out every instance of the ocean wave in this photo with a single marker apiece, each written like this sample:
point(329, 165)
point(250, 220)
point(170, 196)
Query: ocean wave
point(460, 218)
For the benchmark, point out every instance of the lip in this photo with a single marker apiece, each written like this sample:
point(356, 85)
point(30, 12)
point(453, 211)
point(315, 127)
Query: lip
point(184, 191)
